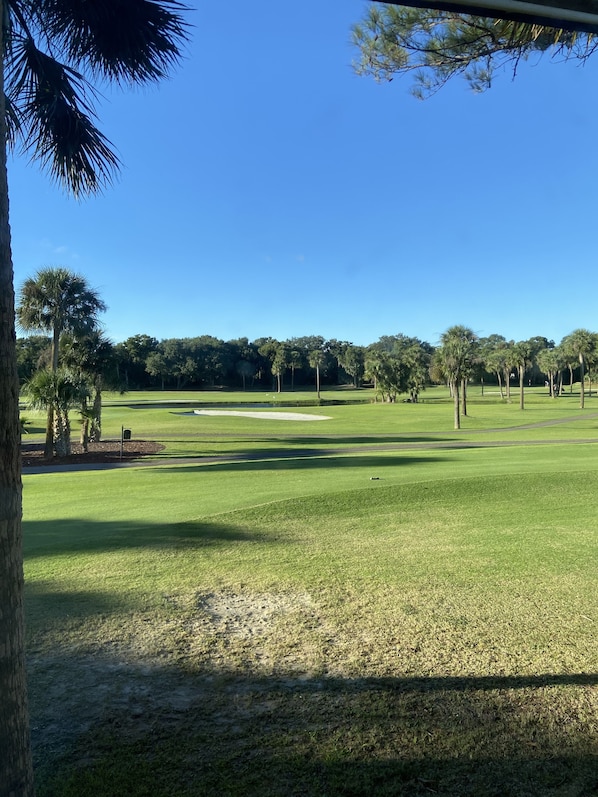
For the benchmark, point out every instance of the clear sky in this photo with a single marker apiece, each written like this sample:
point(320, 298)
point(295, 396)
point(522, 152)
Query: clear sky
point(268, 190)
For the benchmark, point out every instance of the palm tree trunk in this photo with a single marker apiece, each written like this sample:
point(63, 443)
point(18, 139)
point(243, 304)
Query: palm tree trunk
point(500, 384)
point(456, 403)
point(521, 398)
point(508, 383)
point(85, 417)
point(62, 433)
point(464, 396)
point(95, 434)
point(581, 383)
point(16, 773)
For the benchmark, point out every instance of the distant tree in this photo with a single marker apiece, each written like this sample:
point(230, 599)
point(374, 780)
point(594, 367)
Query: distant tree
point(316, 361)
point(493, 353)
point(387, 371)
point(551, 363)
point(280, 363)
point(581, 343)
point(523, 354)
point(352, 359)
point(158, 366)
point(131, 358)
point(295, 361)
point(454, 358)
point(33, 353)
point(435, 46)
point(245, 369)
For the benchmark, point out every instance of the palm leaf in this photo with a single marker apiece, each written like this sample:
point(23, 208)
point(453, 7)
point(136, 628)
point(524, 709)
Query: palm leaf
point(141, 47)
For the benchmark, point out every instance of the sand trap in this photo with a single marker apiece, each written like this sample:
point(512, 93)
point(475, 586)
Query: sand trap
point(274, 416)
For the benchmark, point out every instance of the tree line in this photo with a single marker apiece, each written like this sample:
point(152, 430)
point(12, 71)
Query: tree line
point(74, 361)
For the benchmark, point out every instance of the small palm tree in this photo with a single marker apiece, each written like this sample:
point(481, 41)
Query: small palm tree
point(59, 391)
point(92, 357)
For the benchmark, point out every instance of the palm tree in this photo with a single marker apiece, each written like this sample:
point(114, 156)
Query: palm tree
point(522, 359)
point(550, 363)
point(92, 357)
point(316, 360)
point(581, 344)
point(56, 301)
point(59, 390)
point(51, 50)
point(279, 365)
point(454, 358)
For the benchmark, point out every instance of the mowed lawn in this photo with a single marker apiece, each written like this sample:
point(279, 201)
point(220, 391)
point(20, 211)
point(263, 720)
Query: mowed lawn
point(379, 620)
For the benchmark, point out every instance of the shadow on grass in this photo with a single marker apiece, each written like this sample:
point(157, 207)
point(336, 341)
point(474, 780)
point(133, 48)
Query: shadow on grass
point(211, 734)
point(60, 537)
point(297, 460)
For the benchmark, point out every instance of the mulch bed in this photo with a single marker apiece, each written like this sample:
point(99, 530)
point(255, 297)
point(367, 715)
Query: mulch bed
point(109, 451)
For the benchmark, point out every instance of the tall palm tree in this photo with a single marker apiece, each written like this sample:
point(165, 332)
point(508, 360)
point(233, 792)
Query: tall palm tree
point(522, 359)
point(316, 360)
point(454, 358)
point(56, 301)
point(51, 50)
point(581, 343)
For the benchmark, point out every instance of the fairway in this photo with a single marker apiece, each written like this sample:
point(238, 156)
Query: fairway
point(372, 604)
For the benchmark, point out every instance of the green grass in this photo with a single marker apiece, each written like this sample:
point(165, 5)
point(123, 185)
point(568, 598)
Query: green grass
point(385, 622)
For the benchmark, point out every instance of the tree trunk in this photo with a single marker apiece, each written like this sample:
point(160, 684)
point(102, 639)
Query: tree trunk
point(464, 396)
point(521, 398)
point(16, 773)
point(85, 416)
point(508, 383)
point(455, 391)
point(500, 384)
point(318, 381)
point(582, 380)
point(62, 433)
point(95, 433)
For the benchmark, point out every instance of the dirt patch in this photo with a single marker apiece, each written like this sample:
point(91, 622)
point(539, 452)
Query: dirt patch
point(109, 451)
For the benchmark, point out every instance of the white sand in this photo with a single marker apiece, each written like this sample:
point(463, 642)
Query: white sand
point(274, 416)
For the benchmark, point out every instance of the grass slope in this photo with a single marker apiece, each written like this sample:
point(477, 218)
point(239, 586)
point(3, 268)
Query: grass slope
point(293, 627)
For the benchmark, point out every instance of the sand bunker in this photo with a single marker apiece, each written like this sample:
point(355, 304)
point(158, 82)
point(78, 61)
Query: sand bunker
point(274, 416)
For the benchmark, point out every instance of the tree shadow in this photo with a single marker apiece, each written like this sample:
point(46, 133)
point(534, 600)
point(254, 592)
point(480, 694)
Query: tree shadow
point(44, 538)
point(212, 733)
point(295, 460)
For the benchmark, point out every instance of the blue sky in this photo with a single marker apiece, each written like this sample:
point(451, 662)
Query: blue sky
point(268, 190)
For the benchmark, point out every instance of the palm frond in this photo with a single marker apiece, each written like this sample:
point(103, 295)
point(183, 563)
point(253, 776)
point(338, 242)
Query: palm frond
point(127, 41)
point(55, 112)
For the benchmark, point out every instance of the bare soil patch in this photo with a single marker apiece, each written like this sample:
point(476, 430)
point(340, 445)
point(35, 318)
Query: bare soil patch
point(108, 451)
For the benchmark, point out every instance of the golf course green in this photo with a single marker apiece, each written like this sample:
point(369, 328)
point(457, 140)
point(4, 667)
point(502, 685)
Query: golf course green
point(366, 603)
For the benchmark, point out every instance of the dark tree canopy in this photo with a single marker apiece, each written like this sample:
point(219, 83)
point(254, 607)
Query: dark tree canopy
point(434, 46)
